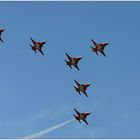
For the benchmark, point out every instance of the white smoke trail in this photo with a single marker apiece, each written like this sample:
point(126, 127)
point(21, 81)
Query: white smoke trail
point(35, 135)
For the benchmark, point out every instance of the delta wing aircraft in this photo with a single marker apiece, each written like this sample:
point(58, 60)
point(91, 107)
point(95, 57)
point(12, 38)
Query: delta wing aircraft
point(37, 46)
point(81, 88)
point(81, 116)
point(73, 61)
point(99, 47)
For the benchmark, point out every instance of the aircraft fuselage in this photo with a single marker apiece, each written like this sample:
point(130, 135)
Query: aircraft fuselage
point(37, 46)
point(81, 88)
point(99, 48)
point(73, 61)
point(82, 117)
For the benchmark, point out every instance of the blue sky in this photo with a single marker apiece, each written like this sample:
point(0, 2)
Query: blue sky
point(37, 91)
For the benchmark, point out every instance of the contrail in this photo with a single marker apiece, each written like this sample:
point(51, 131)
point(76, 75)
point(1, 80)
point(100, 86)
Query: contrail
point(35, 135)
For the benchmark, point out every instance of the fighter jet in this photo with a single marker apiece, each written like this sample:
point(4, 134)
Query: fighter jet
point(81, 116)
point(81, 88)
point(1, 30)
point(99, 47)
point(37, 46)
point(73, 61)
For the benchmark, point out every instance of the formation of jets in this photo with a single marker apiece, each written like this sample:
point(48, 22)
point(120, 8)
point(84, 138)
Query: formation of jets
point(72, 61)
point(98, 47)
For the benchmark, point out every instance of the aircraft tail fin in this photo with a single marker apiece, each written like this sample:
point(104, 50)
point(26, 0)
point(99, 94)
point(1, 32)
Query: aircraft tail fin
point(77, 118)
point(68, 63)
point(103, 53)
point(77, 67)
point(85, 121)
point(91, 47)
point(94, 50)
point(85, 94)
point(31, 46)
point(77, 90)
point(41, 52)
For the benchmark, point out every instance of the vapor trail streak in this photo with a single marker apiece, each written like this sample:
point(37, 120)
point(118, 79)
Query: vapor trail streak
point(35, 135)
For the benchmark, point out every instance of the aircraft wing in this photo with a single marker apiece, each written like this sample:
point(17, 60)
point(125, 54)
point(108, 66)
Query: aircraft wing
point(1, 31)
point(104, 44)
point(42, 43)
point(86, 114)
point(78, 58)
point(86, 85)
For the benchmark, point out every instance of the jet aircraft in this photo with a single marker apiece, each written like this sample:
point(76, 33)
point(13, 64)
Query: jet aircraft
point(37, 46)
point(73, 61)
point(81, 116)
point(99, 47)
point(81, 88)
point(1, 30)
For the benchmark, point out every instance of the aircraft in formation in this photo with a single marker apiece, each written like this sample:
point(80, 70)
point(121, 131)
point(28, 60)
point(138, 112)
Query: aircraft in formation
point(98, 47)
point(81, 88)
point(1, 31)
point(73, 61)
point(37, 46)
point(81, 116)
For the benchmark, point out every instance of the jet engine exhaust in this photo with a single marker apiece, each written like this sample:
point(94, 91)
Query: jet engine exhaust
point(46, 131)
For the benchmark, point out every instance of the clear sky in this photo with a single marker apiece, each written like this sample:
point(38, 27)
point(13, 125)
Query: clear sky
point(36, 91)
